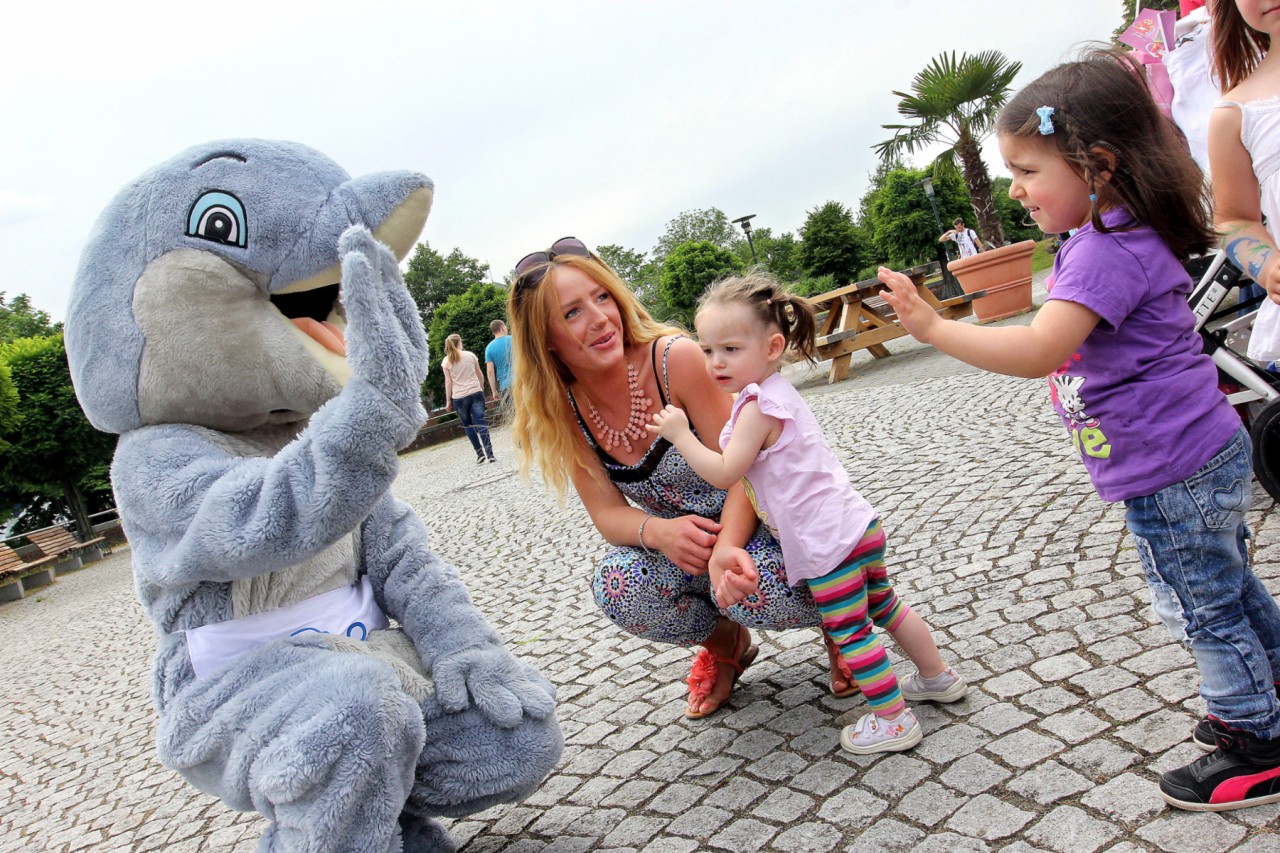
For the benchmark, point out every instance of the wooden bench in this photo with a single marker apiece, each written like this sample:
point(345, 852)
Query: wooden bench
point(17, 574)
point(856, 317)
point(67, 552)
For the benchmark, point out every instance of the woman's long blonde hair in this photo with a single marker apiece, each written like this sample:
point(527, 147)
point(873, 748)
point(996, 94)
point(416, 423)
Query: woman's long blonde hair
point(543, 425)
point(453, 348)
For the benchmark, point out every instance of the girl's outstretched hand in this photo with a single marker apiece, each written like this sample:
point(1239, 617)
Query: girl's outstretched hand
point(669, 423)
point(916, 315)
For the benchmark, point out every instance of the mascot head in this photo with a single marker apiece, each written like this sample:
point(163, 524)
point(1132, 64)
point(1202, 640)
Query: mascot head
point(208, 293)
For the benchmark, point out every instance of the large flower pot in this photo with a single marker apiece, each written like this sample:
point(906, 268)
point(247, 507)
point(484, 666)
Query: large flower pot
point(1004, 273)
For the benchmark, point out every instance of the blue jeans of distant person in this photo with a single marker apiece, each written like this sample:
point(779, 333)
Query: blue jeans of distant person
point(471, 412)
point(1191, 542)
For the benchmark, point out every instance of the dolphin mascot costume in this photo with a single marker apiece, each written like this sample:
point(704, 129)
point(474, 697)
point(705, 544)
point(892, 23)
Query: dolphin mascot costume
point(239, 319)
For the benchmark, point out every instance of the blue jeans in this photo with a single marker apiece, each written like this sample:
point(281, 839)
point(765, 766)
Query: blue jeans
point(1191, 541)
point(471, 413)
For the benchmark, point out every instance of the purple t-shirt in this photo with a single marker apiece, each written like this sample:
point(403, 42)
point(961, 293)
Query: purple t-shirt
point(1140, 398)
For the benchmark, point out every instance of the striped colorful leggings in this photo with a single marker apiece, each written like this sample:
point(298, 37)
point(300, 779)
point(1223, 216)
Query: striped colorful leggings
point(851, 598)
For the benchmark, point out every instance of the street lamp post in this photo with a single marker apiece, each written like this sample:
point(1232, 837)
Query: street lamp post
point(953, 289)
point(745, 222)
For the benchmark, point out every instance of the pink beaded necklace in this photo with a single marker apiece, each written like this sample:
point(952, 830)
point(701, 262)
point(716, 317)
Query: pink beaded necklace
point(634, 430)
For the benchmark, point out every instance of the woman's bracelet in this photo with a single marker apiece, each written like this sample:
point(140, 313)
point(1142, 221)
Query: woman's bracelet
point(641, 533)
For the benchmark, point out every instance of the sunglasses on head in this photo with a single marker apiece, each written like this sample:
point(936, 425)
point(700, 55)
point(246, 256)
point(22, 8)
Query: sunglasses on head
point(532, 268)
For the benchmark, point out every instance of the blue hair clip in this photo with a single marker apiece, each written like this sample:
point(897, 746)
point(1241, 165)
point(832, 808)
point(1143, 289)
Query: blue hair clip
point(1046, 120)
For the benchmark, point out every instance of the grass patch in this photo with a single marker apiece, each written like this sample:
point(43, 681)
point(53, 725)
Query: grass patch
point(1042, 258)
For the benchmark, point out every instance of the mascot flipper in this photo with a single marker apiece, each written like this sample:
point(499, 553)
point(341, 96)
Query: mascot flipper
point(240, 321)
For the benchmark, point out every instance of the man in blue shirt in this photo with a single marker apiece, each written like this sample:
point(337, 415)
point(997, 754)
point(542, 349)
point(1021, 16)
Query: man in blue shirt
point(497, 361)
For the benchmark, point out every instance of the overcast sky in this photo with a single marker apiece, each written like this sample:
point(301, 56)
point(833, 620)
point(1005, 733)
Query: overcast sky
point(536, 120)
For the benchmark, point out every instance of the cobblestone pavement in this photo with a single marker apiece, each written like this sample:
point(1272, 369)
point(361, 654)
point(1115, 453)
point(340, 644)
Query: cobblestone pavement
point(1079, 698)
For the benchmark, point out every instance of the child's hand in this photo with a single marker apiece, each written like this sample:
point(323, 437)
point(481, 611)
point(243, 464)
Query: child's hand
point(735, 587)
point(669, 423)
point(734, 578)
point(916, 315)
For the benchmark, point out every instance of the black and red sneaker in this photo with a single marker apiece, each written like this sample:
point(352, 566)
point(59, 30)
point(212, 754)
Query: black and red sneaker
point(1243, 770)
point(1205, 733)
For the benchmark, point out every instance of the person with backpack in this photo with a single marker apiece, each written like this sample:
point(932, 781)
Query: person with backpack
point(966, 239)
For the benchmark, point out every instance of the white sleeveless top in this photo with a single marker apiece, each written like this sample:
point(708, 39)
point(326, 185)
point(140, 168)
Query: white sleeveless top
point(1260, 134)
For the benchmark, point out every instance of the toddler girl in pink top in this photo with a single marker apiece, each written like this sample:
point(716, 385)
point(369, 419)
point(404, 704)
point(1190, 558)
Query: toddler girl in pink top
point(830, 536)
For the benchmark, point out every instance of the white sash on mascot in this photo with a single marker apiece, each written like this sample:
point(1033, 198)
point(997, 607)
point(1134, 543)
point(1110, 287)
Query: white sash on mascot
point(350, 611)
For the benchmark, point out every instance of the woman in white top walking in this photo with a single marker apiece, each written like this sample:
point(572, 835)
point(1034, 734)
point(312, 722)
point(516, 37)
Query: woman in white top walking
point(464, 390)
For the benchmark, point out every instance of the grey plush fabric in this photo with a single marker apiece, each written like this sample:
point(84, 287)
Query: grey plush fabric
point(254, 471)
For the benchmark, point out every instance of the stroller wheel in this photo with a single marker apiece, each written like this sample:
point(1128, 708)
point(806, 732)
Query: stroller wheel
point(1265, 433)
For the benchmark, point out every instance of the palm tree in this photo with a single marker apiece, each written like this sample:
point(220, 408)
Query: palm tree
point(956, 101)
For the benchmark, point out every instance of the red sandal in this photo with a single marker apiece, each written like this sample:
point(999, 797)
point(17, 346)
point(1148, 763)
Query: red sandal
point(706, 670)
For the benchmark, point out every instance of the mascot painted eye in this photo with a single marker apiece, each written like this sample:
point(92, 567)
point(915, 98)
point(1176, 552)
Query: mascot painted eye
point(219, 218)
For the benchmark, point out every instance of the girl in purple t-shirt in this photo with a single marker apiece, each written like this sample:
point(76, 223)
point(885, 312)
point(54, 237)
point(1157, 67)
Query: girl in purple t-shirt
point(1089, 150)
point(830, 536)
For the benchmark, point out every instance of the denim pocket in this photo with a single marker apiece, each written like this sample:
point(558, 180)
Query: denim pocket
point(1221, 488)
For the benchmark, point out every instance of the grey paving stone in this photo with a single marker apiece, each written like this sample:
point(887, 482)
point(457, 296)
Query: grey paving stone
point(887, 836)
point(1000, 718)
point(1070, 830)
point(699, 822)
point(812, 837)
point(1024, 748)
point(1049, 782)
point(1099, 759)
point(851, 808)
point(745, 834)
point(1074, 726)
point(1192, 832)
point(823, 778)
point(930, 803)
point(988, 818)
point(784, 806)
point(974, 774)
point(1128, 798)
point(895, 774)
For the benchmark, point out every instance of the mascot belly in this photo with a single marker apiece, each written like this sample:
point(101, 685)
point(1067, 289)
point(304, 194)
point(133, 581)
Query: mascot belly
point(239, 319)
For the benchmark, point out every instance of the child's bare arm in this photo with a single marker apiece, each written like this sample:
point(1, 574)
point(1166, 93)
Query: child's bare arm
point(750, 433)
point(1058, 330)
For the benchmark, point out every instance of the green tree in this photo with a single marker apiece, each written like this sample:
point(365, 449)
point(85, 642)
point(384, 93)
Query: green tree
point(899, 219)
point(780, 255)
point(1017, 224)
point(633, 268)
point(955, 101)
point(694, 226)
point(19, 319)
point(53, 452)
point(468, 315)
point(432, 278)
point(688, 271)
point(830, 243)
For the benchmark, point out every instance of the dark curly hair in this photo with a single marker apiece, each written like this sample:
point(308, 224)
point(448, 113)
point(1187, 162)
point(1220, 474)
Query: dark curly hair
point(1101, 104)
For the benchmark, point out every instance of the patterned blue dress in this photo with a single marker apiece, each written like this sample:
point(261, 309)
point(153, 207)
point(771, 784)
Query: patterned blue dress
point(647, 595)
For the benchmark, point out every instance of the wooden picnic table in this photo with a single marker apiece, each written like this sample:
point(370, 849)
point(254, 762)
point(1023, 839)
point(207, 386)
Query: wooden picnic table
point(856, 317)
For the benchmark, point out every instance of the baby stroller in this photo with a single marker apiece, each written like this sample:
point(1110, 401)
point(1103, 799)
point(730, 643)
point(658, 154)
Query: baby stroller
point(1253, 390)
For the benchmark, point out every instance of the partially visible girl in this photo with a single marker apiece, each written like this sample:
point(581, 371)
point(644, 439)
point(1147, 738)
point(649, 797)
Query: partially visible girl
point(1089, 150)
point(802, 494)
point(1244, 154)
